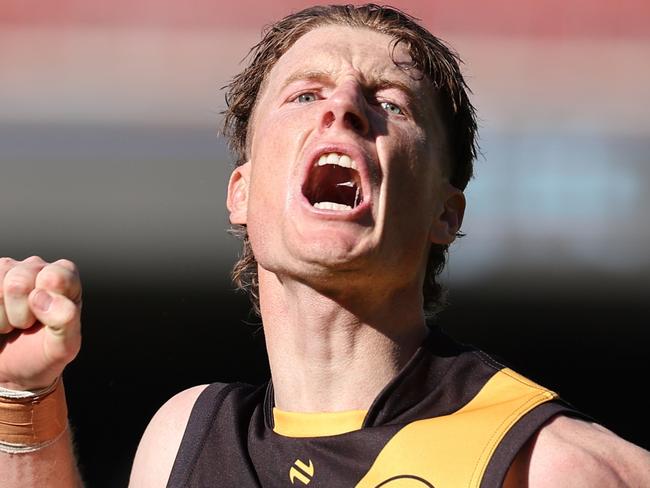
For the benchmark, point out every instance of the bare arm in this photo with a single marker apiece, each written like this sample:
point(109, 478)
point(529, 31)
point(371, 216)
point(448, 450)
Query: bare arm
point(571, 453)
point(40, 325)
point(159, 444)
point(52, 466)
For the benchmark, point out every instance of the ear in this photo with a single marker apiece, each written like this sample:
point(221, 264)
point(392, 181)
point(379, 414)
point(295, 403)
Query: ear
point(447, 223)
point(237, 201)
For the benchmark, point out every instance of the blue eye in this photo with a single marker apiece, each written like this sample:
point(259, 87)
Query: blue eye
point(391, 107)
point(306, 97)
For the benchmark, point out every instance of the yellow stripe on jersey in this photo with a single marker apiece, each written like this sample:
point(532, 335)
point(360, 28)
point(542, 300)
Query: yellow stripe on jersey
point(294, 424)
point(453, 451)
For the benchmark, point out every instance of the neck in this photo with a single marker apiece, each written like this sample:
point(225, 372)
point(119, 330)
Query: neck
point(335, 354)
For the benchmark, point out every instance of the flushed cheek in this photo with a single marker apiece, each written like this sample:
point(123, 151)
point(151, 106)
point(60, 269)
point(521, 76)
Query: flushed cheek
point(273, 178)
point(286, 122)
point(278, 145)
point(265, 209)
point(267, 192)
point(273, 147)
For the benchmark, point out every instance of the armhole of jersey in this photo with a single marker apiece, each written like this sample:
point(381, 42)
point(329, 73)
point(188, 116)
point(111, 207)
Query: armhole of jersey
point(518, 435)
point(198, 426)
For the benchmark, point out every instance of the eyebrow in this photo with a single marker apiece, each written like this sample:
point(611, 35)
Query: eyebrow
point(380, 83)
point(376, 83)
point(309, 75)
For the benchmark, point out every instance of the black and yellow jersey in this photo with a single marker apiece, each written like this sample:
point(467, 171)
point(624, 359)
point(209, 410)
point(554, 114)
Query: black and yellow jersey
point(452, 418)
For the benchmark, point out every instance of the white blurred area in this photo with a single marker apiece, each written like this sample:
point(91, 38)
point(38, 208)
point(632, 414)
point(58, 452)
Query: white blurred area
point(109, 154)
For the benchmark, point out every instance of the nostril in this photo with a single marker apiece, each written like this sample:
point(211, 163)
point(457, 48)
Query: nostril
point(355, 122)
point(328, 119)
point(350, 119)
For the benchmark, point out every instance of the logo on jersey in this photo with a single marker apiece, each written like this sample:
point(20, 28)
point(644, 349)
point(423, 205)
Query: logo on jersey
point(301, 472)
point(405, 481)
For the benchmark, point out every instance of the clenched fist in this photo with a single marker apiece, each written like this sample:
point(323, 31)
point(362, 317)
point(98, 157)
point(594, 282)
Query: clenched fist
point(40, 323)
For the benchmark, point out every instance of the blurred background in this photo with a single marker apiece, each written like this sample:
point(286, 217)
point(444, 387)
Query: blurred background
point(109, 156)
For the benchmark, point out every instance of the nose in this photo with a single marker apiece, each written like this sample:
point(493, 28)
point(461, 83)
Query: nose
point(347, 108)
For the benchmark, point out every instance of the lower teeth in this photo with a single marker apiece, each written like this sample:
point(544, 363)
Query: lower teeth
point(332, 206)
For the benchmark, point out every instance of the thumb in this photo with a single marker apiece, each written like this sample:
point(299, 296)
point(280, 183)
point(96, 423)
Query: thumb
point(62, 320)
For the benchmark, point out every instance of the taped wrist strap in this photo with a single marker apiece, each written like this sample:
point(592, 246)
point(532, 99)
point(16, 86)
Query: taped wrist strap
point(30, 422)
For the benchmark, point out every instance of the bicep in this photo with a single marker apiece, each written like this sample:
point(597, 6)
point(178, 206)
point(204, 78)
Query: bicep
point(157, 450)
point(568, 452)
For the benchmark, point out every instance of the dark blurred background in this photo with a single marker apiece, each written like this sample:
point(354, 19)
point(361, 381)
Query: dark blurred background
point(109, 156)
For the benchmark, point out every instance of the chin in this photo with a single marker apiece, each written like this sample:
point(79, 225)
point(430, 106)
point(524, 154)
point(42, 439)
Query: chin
point(332, 247)
point(316, 263)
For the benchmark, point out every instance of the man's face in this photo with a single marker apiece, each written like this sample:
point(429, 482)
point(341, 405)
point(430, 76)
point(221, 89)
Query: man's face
point(346, 164)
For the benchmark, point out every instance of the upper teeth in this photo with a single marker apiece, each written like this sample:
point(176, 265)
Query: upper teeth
point(338, 159)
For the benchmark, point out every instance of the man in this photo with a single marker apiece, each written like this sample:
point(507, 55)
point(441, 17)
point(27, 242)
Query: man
point(354, 139)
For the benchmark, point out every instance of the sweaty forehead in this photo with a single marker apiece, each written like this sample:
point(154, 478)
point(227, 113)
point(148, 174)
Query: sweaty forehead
point(339, 50)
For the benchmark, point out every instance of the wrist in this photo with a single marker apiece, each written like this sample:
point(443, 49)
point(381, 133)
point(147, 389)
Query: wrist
point(32, 420)
point(13, 391)
point(34, 385)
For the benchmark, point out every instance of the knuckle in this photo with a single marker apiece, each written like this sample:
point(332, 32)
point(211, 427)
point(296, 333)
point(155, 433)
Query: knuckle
point(19, 280)
point(5, 265)
point(17, 286)
point(33, 259)
point(53, 279)
point(67, 264)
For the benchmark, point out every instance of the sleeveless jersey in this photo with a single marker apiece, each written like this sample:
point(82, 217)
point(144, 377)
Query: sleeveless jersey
point(452, 418)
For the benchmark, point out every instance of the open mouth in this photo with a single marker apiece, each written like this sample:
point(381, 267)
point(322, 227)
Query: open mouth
point(334, 183)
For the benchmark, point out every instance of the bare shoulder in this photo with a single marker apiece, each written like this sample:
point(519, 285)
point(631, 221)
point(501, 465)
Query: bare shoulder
point(159, 444)
point(569, 452)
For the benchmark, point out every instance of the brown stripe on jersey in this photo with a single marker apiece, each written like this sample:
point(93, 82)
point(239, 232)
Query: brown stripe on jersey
point(203, 412)
point(213, 451)
point(440, 378)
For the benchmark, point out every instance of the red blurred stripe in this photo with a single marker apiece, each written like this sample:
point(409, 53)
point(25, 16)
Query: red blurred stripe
point(549, 18)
